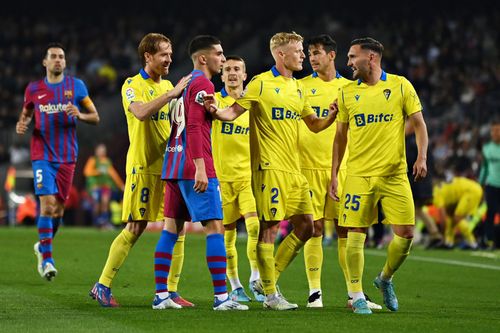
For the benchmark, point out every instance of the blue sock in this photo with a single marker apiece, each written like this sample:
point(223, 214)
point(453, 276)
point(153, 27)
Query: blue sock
point(45, 237)
point(56, 222)
point(216, 259)
point(163, 259)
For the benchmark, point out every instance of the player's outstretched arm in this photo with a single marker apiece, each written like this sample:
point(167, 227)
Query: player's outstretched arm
point(143, 111)
point(228, 114)
point(420, 166)
point(24, 120)
point(316, 124)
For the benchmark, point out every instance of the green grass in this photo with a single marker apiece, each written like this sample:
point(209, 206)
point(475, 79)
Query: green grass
point(433, 297)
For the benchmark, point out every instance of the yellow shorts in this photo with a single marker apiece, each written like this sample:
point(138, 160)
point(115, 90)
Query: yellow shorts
point(280, 195)
point(469, 202)
point(237, 200)
point(143, 198)
point(323, 206)
point(362, 194)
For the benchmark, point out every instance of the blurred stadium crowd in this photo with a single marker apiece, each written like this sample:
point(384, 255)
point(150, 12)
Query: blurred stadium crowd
point(450, 54)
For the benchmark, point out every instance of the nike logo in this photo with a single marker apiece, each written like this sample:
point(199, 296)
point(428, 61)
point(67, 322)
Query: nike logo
point(42, 96)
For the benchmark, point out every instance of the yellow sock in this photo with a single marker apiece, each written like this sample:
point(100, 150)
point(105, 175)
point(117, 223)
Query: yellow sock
point(176, 265)
point(463, 226)
point(288, 249)
point(117, 253)
point(342, 242)
point(265, 260)
point(231, 254)
point(329, 228)
point(355, 260)
point(398, 250)
point(313, 259)
point(449, 231)
point(253, 226)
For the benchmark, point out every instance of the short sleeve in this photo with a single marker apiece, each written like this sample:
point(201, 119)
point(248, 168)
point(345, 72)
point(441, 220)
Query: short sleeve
point(131, 92)
point(251, 93)
point(343, 115)
point(28, 102)
point(411, 102)
point(81, 91)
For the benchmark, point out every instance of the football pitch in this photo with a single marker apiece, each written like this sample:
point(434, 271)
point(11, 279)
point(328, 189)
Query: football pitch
point(438, 291)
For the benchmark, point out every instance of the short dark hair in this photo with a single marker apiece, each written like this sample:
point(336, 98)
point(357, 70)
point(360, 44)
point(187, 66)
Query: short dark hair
point(368, 43)
point(202, 42)
point(235, 57)
point(325, 40)
point(53, 45)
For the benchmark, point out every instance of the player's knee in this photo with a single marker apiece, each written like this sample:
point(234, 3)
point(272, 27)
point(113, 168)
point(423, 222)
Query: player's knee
point(318, 228)
point(48, 209)
point(304, 230)
point(253, 230)
point(404, 231)
point(341, 231)
point(137, 228)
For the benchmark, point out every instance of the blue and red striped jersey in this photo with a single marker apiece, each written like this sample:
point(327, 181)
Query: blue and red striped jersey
point(190, 134)
point(54, 135)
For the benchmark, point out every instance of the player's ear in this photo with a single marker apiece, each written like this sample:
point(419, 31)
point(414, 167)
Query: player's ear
point(202, 58)
point(147, 57)
point(332, 55)
point(244, 76)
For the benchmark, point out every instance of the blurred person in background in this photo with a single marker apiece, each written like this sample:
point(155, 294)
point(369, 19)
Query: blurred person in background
point(102, 179)
point(490, 178)
point(55, 102)
point(458, 200)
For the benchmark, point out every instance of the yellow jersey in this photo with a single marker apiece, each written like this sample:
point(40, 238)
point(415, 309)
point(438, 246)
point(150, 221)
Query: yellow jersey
point(148, 138)
point(376, 116)
point(277, 104)
point(449, 194)
point(231, 144)
point(315, 149)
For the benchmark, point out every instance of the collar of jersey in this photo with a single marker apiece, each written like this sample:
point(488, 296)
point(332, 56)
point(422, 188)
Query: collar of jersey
point(275, 71)
point(383, 77)
point(337, 75)
point(53, 84)
point(223, 92)
point(144, 74)
point(196, 73)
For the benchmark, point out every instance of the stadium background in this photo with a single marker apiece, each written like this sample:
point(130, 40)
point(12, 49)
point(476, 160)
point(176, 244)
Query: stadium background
point(450, 53)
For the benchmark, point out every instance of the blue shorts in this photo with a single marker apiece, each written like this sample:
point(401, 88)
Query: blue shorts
point(182, 202)
point(52, 178)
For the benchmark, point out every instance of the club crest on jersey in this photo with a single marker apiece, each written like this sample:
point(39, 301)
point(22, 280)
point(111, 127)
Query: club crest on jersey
point(273, 211)
point(299, 92)
point(68, 94)
point(357, 97)
point(151, 92)
point(142, 211)
point(387, 93)
point(132, 188)
point(130, 94)
point(277, 90)
point(262, 187)
point(313, 91)
point(199, 97)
